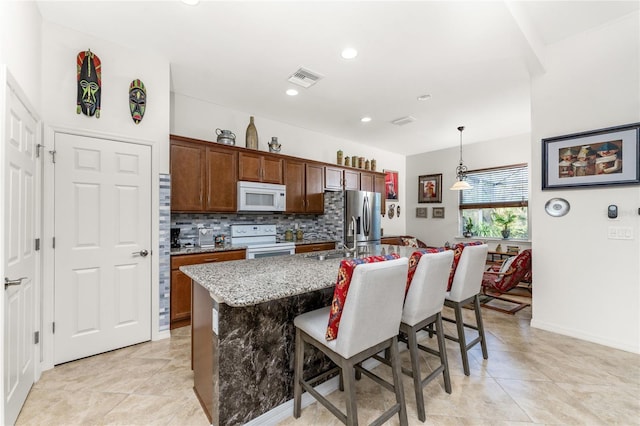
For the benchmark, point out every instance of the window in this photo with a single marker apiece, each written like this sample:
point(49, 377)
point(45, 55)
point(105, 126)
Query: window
point(497, 205)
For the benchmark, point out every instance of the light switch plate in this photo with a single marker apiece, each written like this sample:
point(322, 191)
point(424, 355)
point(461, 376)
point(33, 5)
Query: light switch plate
point(620, 233)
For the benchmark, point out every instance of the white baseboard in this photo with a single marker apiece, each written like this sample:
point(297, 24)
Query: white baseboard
point(585, 336)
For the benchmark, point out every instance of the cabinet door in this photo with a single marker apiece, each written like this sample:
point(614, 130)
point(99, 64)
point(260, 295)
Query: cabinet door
point(366, 181)
point(260, 168)
point(314, 188)
point(332, 178)
point(180, 299)
point(222, 170)
point(295, 182)
point(187, 177)
point(352, 179)
point(272, 170)
point(380, 187)
point(249, 166)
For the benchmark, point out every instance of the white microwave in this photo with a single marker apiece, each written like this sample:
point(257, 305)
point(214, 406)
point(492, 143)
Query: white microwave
point(261, 197)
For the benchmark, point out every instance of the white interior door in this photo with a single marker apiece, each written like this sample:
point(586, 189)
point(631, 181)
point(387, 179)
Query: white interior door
point(102, 237)
point(20, 256)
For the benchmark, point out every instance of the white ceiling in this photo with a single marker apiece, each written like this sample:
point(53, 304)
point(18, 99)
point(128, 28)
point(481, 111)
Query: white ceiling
point(475, 59)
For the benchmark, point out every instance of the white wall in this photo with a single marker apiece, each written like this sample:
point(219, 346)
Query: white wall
point(586, 285)
point(494, 153)
point(199, 119)
point(120, 65)
point(20, 45)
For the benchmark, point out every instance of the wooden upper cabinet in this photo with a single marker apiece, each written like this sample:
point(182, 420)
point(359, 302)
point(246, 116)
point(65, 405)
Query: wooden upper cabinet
point(222, 172)
point(333, 179)
point(187, 170)
point(305, 190)
point(315, 188)
point(352, 179)
point(256, 167)
point(380, 186)
point(295, 181)
point(366, 182)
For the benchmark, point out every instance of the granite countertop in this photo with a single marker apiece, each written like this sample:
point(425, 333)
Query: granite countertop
point(196, 249)
point(252, 281)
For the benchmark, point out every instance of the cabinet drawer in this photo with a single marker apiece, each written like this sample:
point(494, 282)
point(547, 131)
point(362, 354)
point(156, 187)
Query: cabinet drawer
point(307, 248)
point(194, 259)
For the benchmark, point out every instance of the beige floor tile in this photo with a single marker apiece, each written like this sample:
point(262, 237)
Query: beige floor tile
point(531, 377)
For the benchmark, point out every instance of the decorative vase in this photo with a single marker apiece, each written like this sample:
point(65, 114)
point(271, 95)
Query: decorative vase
point(373, 165)
point(339, 158)
point(505, 233)
point(252, 135)
point(366, 164)
point(361, 163)
point(347, 161)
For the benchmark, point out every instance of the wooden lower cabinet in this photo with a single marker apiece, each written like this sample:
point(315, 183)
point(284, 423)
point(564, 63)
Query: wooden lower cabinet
point(308, 248)
point(180, 310)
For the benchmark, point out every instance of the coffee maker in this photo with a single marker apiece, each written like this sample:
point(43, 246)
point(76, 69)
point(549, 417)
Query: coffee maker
point(175, 237)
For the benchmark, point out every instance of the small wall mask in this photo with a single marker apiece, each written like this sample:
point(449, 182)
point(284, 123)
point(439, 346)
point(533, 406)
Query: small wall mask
point(137, 100)
point(89, 73)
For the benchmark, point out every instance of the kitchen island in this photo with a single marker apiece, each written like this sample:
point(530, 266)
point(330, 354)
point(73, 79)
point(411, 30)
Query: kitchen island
point(243, 333)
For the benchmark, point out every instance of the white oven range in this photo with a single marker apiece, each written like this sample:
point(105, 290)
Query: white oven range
point(261, 240)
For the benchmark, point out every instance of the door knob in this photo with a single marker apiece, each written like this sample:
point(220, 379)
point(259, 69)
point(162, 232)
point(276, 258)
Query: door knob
point(8, 282)
point(142, 253)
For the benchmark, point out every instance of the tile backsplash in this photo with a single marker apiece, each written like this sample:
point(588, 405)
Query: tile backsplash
point(327, 226)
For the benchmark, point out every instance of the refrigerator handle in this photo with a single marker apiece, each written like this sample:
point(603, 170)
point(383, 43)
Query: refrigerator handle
point(366, 217)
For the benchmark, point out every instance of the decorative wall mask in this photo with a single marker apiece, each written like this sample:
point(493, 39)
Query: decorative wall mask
point(89, 83)
point(137, 100)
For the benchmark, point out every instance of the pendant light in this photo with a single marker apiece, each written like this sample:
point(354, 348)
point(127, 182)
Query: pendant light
point(461, 171)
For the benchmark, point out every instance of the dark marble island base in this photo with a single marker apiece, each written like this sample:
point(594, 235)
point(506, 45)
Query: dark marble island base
point(246, 368)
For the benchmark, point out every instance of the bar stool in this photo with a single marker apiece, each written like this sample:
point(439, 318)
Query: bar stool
point(465, 288)
point(422, 309)
point(369, 324)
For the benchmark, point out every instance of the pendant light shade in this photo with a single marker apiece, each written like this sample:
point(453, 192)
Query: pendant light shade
point(461, 171)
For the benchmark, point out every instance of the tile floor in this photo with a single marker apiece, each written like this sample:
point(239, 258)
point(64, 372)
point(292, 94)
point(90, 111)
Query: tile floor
point(531, 377)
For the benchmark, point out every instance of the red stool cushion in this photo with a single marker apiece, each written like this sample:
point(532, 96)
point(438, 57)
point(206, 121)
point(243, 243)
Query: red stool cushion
point(457, 252)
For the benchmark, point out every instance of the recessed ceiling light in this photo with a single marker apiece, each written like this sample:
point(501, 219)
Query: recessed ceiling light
point(349, 53)
point(365, 119)
point(292, 92)
point(191, 2)
point(423, 97)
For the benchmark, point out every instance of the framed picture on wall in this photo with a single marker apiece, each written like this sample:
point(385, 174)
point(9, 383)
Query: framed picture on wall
point(598, 157)
point(421, 212)
point(437, 213)
point(391, 184)
point(430, 188)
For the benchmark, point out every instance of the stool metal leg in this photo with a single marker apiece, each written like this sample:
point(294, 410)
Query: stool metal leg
point(297, 375)
point(415, 367)
point(483, 342)
point(397, 380)
point(442, 348)
point(461, 338)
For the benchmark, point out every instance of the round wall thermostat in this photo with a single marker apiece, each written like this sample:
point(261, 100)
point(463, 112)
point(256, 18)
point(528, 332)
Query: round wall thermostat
point(557, 207)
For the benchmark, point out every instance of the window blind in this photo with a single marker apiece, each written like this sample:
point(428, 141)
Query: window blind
point(506, 186)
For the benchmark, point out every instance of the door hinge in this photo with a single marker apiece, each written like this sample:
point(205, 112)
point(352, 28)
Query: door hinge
point(53, 156)
point(37, 244)
point(36, 337)
point(53, 327)
point(38, 150)
point(54, 242)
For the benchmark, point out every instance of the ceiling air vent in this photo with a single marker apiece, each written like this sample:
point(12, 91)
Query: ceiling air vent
point(305, 78)
point(403, 120)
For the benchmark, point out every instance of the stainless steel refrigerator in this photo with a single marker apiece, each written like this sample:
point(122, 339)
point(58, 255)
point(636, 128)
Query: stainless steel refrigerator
point(362, 211)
